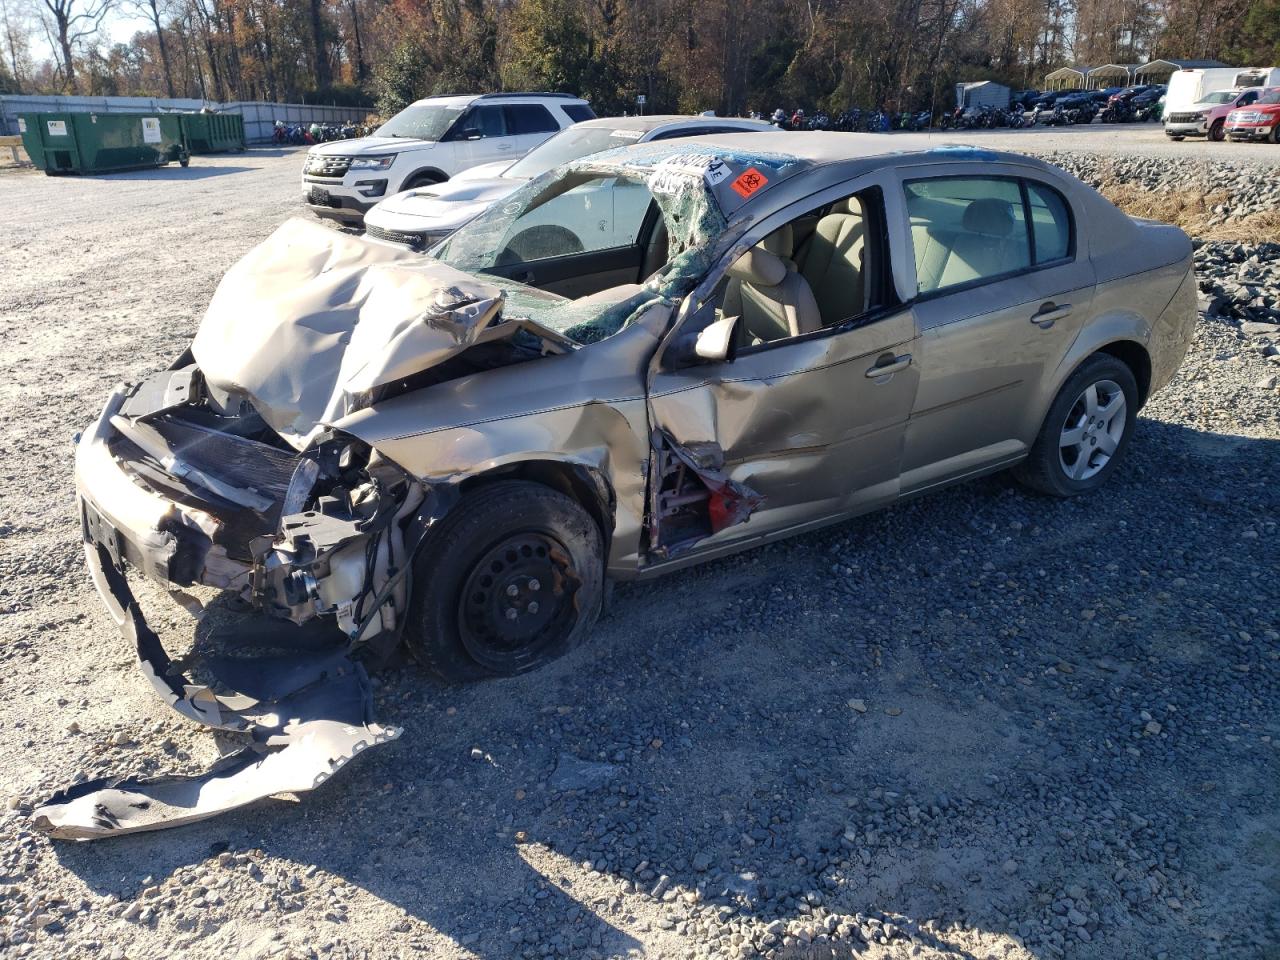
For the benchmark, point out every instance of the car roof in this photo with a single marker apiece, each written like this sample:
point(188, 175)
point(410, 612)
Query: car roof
point(780, 159)
point(824, 147)
point(463, 99)
point(657, 121)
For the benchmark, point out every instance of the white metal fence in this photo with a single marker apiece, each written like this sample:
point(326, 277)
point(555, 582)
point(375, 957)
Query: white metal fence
point(259, 116)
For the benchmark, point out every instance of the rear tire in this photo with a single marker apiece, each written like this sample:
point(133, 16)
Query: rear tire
point(511, 579)
point(1086, 431)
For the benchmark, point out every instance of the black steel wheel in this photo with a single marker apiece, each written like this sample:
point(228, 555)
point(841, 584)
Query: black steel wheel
point(509, 580)
point(517, 601)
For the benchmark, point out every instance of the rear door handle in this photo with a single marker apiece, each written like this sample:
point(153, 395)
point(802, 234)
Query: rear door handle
point(888, 364)
point(1049, 312)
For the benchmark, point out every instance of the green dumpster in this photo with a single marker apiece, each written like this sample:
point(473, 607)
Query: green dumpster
point(100, 142)
point(212, 132)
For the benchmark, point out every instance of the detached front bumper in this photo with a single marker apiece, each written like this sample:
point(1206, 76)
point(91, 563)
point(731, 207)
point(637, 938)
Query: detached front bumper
point(170, 542)
point(304, 715)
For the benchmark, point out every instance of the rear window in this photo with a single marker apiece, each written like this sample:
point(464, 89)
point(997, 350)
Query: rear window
point(529, 118)
point(578, 112)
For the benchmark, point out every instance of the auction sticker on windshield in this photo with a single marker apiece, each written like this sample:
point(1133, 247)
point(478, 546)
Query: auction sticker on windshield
point(749, 182)
point(716, 172)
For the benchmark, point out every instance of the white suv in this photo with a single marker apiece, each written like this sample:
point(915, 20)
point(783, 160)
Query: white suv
point(422, 216)
point(428, 142)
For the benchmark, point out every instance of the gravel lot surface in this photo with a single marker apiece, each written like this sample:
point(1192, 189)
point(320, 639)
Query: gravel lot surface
point(980, 724)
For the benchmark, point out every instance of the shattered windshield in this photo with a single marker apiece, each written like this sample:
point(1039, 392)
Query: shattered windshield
point(667, 200)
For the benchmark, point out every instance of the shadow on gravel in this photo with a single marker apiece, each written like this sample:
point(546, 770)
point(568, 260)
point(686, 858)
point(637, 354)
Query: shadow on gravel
point(169, 173)
point(977, 719)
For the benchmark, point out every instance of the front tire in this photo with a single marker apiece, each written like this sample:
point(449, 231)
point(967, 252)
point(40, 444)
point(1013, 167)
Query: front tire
point(1217, 132)
point(511, 579)
point(1086, 431)
point(422, 180)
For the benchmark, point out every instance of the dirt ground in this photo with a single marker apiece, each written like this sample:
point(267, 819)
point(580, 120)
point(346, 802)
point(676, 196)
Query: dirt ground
point(980, 724)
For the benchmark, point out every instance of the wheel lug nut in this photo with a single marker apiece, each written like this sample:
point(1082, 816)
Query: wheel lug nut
point(533, 606)
point(535, 586)
point(511, 613)
point(513, 590)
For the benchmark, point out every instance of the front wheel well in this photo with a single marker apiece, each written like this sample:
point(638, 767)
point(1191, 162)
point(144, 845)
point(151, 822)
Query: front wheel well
point(423, 177)
point(584, 485)
point(1134, 356)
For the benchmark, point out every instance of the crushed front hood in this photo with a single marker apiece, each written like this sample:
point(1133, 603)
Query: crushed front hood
point(312, 316)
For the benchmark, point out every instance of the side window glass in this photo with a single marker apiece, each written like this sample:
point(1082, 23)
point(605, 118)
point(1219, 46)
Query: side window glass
point(1050, 223)
point(525, 118)
point(1247, 99)
point(577, 112)
point(490, 122)
point(479, 123)
point(818, 271)
point(966, 229)
point(678, 132)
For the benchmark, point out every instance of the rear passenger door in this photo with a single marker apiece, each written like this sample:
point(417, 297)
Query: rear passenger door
point(1001, 290)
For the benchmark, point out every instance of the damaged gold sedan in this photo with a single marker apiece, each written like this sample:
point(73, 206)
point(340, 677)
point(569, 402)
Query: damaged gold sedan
point(641, 360)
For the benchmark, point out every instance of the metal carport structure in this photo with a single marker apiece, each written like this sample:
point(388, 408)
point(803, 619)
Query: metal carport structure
point(1111, 75)
point(1067, 78)
point(1159, 71)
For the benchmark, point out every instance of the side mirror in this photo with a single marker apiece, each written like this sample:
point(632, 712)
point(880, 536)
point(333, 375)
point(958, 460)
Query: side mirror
point(718, 341)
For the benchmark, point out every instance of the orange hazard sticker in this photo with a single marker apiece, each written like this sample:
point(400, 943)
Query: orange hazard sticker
point(749, 182)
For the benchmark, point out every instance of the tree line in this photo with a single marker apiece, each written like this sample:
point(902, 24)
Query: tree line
point(731, 56)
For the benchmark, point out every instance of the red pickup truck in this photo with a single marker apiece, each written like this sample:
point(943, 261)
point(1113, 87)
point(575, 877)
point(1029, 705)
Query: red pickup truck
point(1258, 121)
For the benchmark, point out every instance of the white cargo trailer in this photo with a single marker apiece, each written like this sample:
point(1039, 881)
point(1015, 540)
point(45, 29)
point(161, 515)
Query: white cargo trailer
point(1257, 77)
point(1189, 87)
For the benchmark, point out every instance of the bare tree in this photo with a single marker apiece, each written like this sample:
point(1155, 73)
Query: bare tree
point(74, 21)
point(155, 10)
point(16, 32)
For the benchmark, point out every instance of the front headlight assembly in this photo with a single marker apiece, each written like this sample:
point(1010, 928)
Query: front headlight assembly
point(372, 163)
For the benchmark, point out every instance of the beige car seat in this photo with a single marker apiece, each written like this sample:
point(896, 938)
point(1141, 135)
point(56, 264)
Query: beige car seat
point(985, 246)
point(832, 262)
point(766, 290)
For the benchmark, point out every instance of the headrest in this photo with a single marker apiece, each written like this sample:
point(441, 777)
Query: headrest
point(847, 206)
point(759, 268)
point(781, 243)
point(989, 216)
